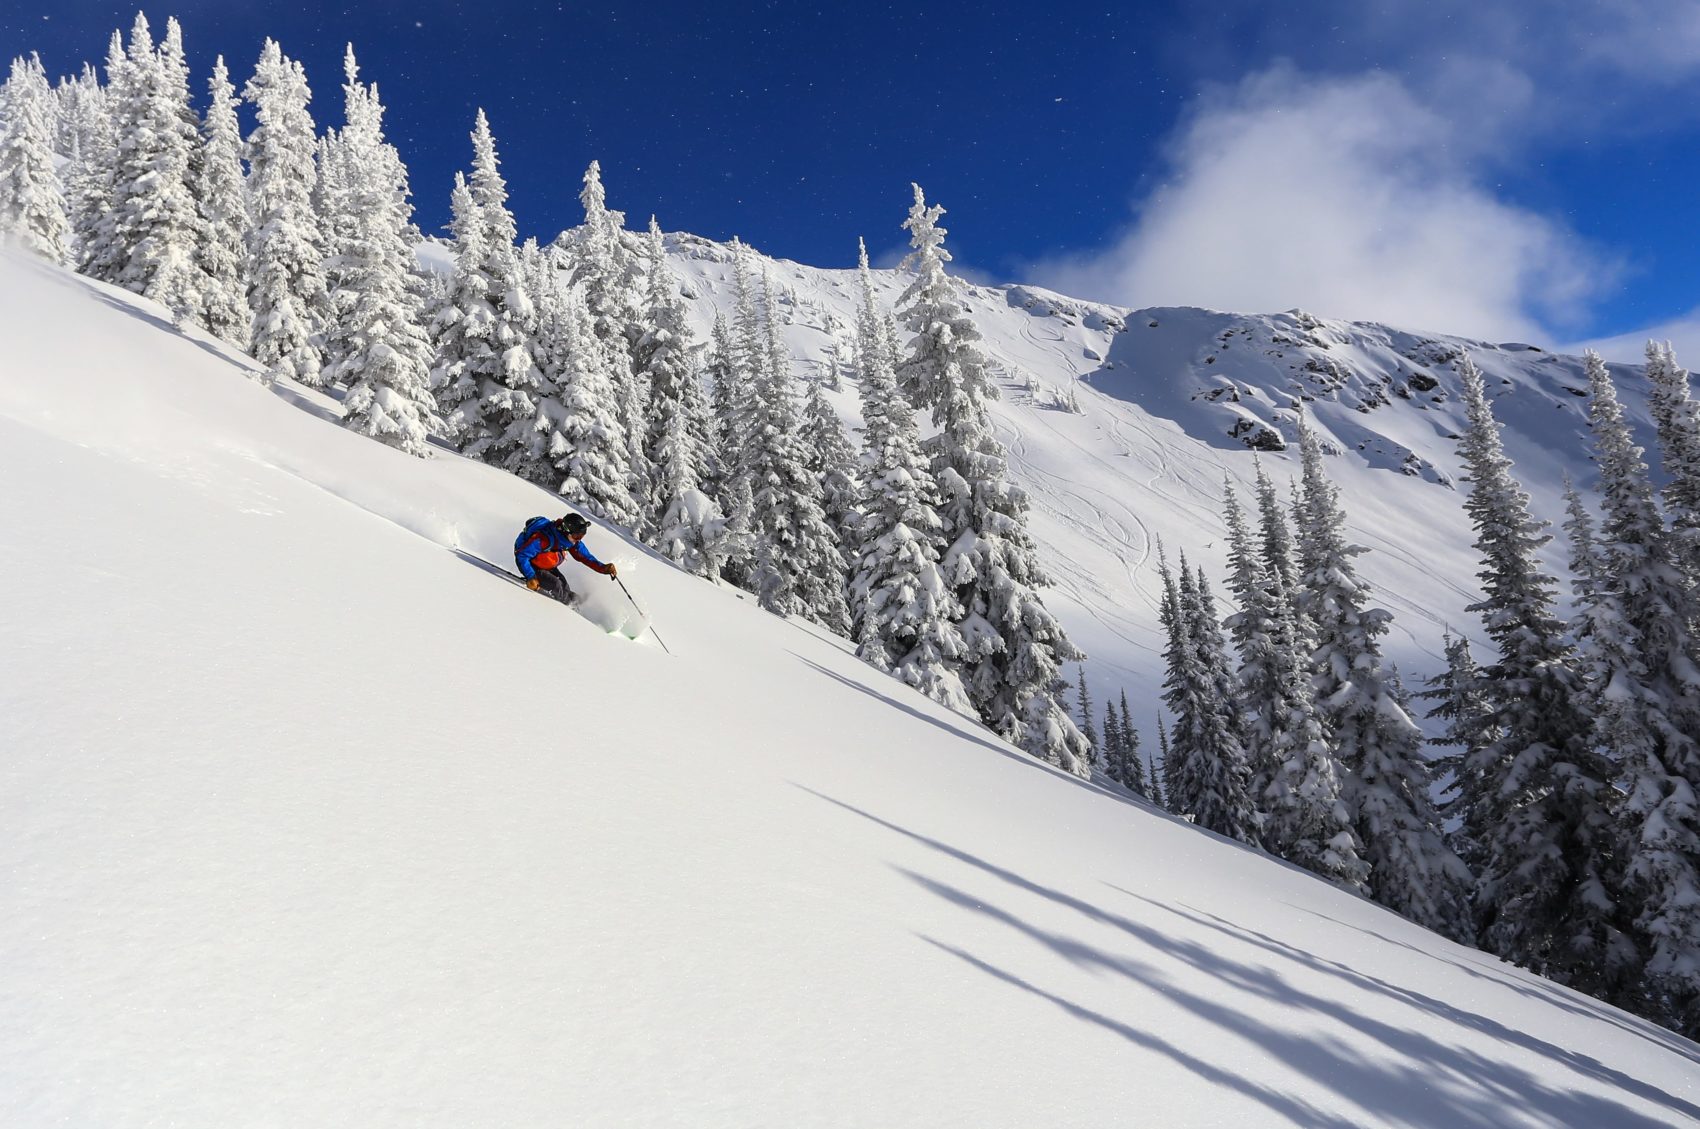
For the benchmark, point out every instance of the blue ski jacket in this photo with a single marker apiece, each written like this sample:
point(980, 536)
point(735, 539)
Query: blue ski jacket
point(543, 546)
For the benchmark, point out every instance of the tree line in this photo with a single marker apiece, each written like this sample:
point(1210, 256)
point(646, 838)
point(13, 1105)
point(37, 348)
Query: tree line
point(570, 364)
point(1559, 828)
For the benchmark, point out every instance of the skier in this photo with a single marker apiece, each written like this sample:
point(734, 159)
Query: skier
point(542, 545)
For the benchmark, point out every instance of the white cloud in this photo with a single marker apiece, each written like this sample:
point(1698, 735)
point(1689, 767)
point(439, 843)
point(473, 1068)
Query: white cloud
point(1682, 332)
point(1350, 197)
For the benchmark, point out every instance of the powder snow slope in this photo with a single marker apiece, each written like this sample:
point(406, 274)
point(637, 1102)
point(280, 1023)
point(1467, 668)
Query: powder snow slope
point(305, 819)
point(1173, 401)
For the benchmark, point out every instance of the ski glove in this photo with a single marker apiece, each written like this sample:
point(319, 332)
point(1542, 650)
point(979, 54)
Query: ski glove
point(613, 573)
point(532, 584)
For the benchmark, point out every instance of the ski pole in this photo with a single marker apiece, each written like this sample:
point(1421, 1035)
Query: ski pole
point(645, 615)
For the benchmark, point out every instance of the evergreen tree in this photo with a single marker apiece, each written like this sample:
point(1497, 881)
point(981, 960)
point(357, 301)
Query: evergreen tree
point(720, 449)
point(374, 342)
point(1207, 775)
point(663, 359)
point(1640, 663)
point(1266, 652)
point(1461, 702)
point(1131, 756)
point(594, 461)
point(1586, 565)
point(688, 524)
point(903, 612)
point(739, 539)
point(100, 251)
point(1086, 728)
point(286, 274)
point(834, 355)
point(1386, 783)
point(510, 384)
point(1015, 647)
point(1161, 779)
point(831, 459)
point(609, 273)
point(1121, 758)
point(155, 222)
point(1537, 798)
point(1677, 419)
point(81, 104)
point(461, 327)
point(32, 211)
point(1309, 822)
point(799, 568)
point(539, 278)
point(89, 171)
point(1110, 748)
point(223, 202)
point(741, 354)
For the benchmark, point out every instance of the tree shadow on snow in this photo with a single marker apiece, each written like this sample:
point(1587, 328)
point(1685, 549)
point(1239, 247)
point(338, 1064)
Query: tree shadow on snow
point(1395, 1071)
point(1531, 986)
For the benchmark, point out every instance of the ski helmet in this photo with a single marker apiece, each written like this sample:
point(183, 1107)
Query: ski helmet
point(574, 524)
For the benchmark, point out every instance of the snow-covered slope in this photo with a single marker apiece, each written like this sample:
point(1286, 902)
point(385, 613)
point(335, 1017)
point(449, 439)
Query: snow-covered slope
point(1175, 400)
point(306, 819)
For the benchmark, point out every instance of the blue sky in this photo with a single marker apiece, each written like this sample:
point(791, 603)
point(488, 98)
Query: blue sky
point(1508, 170)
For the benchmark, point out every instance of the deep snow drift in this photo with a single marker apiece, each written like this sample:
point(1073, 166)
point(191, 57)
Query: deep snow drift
point(306, 819)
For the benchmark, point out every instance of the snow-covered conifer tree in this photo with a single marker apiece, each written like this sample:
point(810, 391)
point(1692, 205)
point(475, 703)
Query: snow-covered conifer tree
point(720, 449)
point(1308, 821)
point(1537, 798)
point(1015, 646)
point(1110, 747)
point(462, 324)
point(1586, 565)
point(1265, 655)
point(686, 521)
point(1160, 777)
point(510, 384)
point(286, 273)
point(100, 251)
point(738, 363)
point(149, 239)
point(1115, 754)
point(835, 354)
point(593, 464)
point(1677, 418)
point(903, 612)
point(223, 201)
point(1461, 702)
point(831, 459)
point(540, 278)
point(662, 358)
point(1386, 784)
point(1205, 763)
point(1640, 662)
point(799, 568)
point(609, 274)
point(156, 202)
point(738, 541)
point(32, 209)
point(1133, 761)
point(81, 103)
point(374, 343)
point(1087, 728)
point(691, 531)
point(91, 158)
